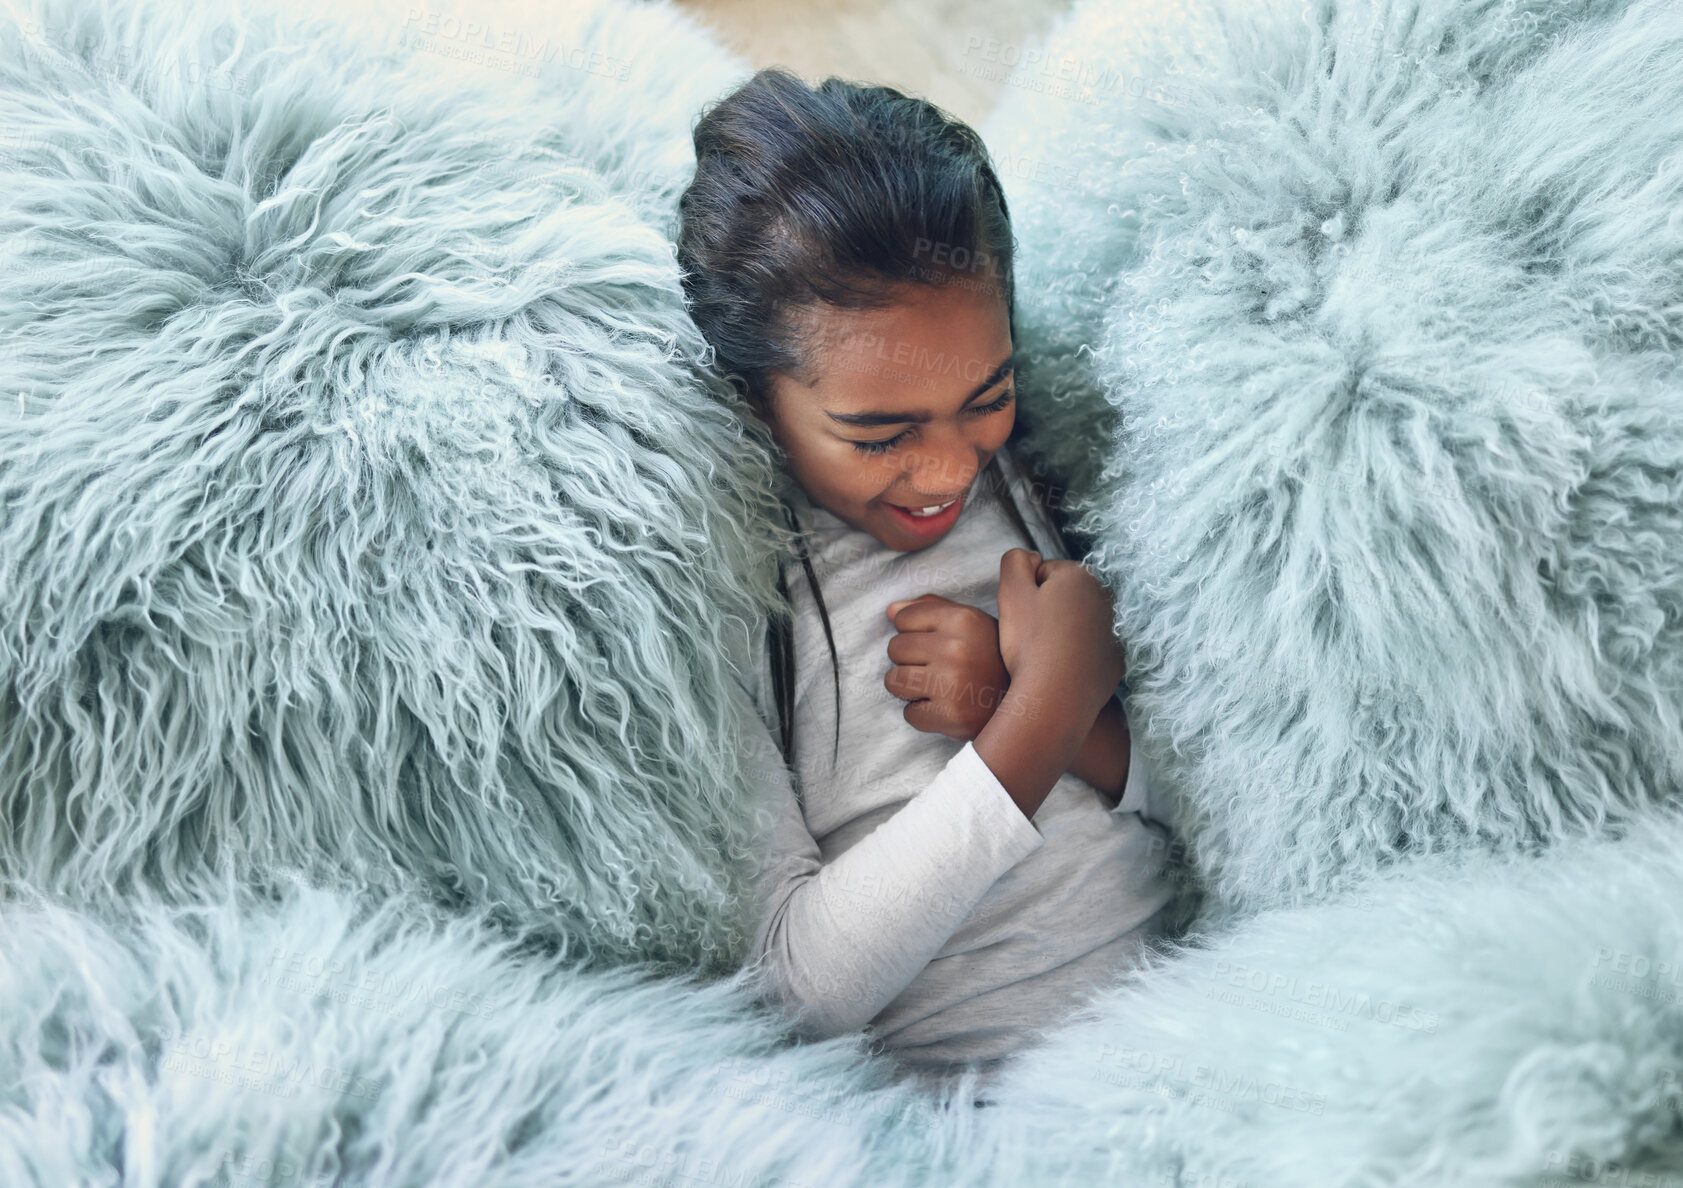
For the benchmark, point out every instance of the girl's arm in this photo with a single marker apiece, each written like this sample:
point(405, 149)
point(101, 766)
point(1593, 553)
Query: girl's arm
point(1103, 760)
point(837, 941)
point(1034, 735)
point(1106, 759)
point(959, 688)
point(1108, 749)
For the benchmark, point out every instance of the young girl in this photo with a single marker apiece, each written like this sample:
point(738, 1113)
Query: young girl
point(967, 856)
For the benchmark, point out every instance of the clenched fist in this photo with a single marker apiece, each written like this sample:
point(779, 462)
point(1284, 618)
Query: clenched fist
point(947, 665)
point(1055, 619)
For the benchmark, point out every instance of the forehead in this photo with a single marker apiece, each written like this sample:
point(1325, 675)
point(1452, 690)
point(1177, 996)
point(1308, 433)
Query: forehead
point(927, 345)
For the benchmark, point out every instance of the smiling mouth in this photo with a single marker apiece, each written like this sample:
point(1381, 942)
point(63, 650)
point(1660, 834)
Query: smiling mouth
point(933, 509)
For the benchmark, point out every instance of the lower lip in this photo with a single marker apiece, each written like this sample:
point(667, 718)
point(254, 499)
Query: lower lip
point(927, 525)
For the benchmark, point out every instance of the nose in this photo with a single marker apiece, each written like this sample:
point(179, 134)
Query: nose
point(936, 477)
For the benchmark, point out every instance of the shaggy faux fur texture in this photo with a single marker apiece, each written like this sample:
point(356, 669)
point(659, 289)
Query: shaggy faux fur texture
point(1466, 1020)
point(1379, 305)
point(1510, 1023)
point(367, 504)
point(372, 528)
point(318, 1041)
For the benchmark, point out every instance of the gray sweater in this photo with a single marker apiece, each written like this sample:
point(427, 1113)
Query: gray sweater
point(902, 891)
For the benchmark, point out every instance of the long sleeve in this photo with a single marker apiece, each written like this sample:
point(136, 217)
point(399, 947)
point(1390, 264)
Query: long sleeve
point(838, 941)
point(897, 888)
point(1137, 794)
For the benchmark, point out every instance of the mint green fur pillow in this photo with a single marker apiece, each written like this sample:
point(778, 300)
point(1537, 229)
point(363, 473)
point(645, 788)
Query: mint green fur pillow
point(368, 507)
point(1355, 329)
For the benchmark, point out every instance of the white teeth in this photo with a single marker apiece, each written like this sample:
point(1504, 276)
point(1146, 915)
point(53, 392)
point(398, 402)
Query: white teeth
point(929, 511)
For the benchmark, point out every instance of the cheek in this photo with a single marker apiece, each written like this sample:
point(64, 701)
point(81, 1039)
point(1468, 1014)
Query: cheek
point(869, 475)
point(995, 431)
point(1007, 421)
point(840, 474)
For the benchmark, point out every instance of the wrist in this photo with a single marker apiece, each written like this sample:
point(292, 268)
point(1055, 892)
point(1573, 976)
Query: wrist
point(1050, 688)
point(1032, 739)
point(1103, 758)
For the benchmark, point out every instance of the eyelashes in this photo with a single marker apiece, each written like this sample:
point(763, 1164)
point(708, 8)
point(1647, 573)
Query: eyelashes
point(981, 410)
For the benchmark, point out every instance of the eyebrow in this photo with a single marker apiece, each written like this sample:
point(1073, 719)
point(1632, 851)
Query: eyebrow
point(901, 418)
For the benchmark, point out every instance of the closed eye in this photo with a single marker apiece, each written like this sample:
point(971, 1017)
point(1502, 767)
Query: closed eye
point(982, 410)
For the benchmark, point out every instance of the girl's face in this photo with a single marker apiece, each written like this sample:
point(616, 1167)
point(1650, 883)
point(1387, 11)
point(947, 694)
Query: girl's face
point(908, 403)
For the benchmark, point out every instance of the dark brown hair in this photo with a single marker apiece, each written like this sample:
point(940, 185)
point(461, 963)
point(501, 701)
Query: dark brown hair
point(830, 195)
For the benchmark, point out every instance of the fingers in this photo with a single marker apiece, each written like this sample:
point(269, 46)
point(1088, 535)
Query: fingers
point(908, 682)
point(914, 647)
point(923, 613)
point(895, 607)
point(1017, 581)
point(1018, 566)
point(921, 715)
point(1016, 584)
point(1049, 568)
point(925, 714)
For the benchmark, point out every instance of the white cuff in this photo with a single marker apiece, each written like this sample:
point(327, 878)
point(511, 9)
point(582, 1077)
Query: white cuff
point(1134, 797)
point(1022, 836)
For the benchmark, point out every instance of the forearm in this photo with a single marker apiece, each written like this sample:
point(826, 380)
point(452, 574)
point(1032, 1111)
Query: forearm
point(1034, 737)
point(1103, 758)
point(845, 938)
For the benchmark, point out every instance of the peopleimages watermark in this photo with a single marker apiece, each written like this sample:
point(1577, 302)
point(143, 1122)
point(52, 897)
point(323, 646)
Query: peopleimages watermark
point(1171, 1075)
point(510, 50)
point(937, 470)
point(1043, 171)
point(238, 1170)
point(762, 1083)
point(1638, 974)
point(1033, 67)
point(643, 1165)
point(925, 683)
point(1310, 1001)
point(868, 349)
point(114, 62)
point(314, 976)
point(230, 1061)
point(877, 895)
point(1571, 1169)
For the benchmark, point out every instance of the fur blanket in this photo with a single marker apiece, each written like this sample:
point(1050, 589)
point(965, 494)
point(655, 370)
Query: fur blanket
point(371, 527)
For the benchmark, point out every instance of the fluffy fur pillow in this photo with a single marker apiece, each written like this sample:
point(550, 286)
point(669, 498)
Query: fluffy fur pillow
point(1374, 312)
point(367, 507)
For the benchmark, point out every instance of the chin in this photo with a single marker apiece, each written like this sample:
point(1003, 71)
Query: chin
point(910, 544)
point(913, 546)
